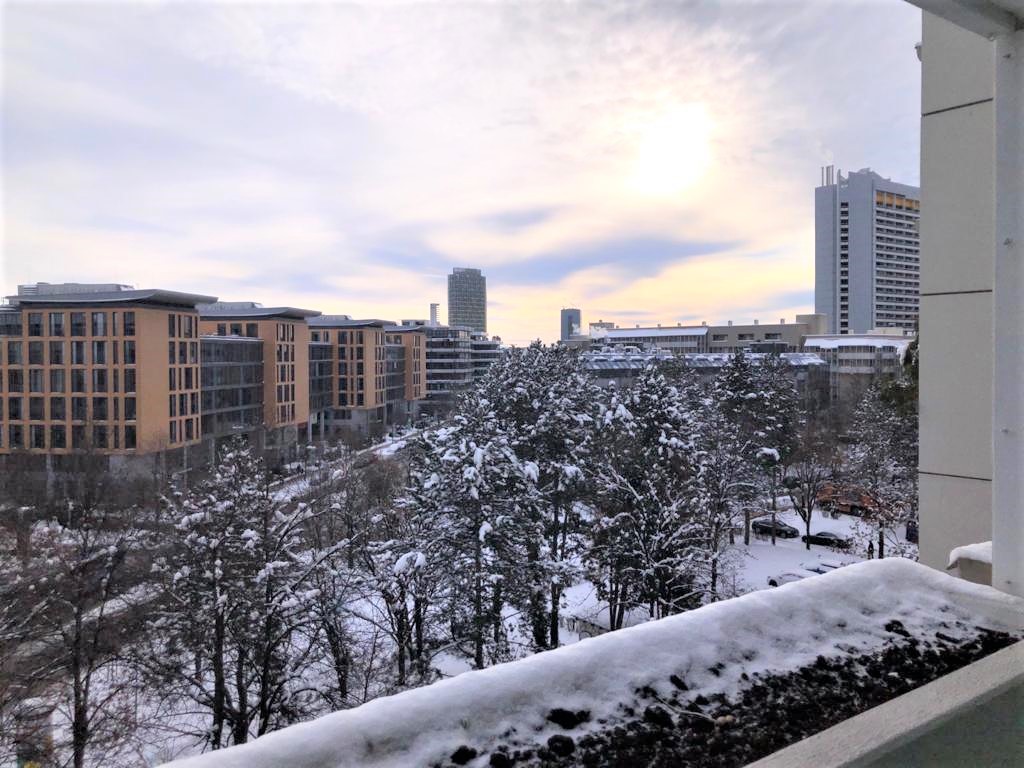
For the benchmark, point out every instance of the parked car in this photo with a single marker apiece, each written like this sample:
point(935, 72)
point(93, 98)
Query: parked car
point(789, 575)
point(847, 500)
point(783, 531)
point(826, 539)
point(825, 565)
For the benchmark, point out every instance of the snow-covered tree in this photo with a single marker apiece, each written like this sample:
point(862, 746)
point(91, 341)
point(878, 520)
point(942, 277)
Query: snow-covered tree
point(237, 587)
point(642, 531)
point(811, 465)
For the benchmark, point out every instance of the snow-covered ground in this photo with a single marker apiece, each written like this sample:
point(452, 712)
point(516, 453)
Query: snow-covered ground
point(711, 648)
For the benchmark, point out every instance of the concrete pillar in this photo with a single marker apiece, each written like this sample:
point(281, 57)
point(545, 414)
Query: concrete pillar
point(1008, 320)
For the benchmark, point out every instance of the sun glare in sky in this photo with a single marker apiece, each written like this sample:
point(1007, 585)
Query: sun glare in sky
point(673, 152)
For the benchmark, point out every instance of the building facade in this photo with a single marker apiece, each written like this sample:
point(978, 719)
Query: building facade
point(231, 384)
point(971, 459)
point(866, 252)
point(115, 372)
point(856, 362)
point(284, 332)
point(570, 323)
point(467, 299)
point(378, 373)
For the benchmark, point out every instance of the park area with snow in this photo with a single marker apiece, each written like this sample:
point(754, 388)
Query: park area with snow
point(705, 655)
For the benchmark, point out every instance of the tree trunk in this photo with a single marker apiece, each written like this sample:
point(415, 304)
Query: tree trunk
point(746, 526)
point(240, 731)
point(478, 606)
point(881, 542)
point(80, 704)
point(218, 708)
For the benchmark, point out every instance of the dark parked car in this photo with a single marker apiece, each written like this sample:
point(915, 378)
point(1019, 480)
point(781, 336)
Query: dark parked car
point(782, 531)
point(826, 539)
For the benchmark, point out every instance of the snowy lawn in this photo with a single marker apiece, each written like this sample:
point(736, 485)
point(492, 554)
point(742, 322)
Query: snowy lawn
point(714, 649)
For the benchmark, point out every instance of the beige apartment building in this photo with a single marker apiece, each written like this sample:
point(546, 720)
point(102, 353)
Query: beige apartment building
point(113, 371)
point(380, 372)
point(285, 335)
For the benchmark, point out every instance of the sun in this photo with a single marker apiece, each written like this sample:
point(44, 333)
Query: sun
point(673, 152)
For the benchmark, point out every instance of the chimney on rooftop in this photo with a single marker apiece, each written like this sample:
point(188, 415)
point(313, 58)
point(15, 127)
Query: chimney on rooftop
point(782, 321)
point(704, 323)
point(730, 322)
point(755, 321)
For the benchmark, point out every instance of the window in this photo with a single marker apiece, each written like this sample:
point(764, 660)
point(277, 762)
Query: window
point(37, 433)
point(36, 408)
point(222, 329)
point(58, 436)
point(113, 323)
point(99, 409)
point(78, 409)
point(190, 429)
point(129, 323)
point(99, 353)
point(15, 381)
point(35, 380)
point(99, 323)
point(174, 431)
point(193, 352)
point(14, 353)
point(56, 379)
point(99, 380)
point(250, 330)
point(78, 437)
point(117, 409)
point(182, 353)
point(773, 336)
point(78, 353)
point(170, 352)
point(188, 378)
point(14, 408)
point(56, 323)
point(129, 436)
point(99, 436)
point(35, 353)
point(58, 409)
point(129, 409)
point(15, 437)
point(172, 405)
point(115, 388)
point(171, 326)
point(188, 327)
point(171, 379)
point(35, 323)
point(78, 323)
point(745, 336)
point(236, 329)
point(129, 353)
point(77, 380)
point(56, 353)
point(129, 380)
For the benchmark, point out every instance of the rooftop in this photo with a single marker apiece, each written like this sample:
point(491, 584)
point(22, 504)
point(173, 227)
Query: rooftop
point(121, 296)
point(249, 309)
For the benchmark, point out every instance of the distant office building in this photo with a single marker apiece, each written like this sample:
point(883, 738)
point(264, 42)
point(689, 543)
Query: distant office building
point(570, 324)
point(856, 362)
point(467, 299)
point(866, 252)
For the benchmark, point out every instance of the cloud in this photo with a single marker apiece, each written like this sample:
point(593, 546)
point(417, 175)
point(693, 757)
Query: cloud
point(344, 157)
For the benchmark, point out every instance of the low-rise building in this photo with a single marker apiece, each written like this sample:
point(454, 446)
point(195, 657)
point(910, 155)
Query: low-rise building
point(857, 362)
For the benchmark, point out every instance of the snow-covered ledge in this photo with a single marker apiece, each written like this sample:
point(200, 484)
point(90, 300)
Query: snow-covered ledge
point(718, 650)
point(972, 562)
point(903, 729)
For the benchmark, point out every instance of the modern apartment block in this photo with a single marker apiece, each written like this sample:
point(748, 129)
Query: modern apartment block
point(486, 351)
point(285, 336)
point(866, 252)
point(231, 383)
point(101, 368)
point(856, 362)
point(378, 372)
point(467, 299)
point(570, 323)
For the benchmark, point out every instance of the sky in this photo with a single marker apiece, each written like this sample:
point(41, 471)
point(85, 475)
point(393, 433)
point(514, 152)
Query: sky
point(645, 162)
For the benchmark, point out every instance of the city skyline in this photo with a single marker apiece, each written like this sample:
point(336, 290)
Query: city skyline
point(663, 175)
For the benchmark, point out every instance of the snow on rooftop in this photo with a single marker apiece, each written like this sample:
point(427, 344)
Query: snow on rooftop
point(838, 342)
point(980, 553)
point(629, 333)
point(770, 630)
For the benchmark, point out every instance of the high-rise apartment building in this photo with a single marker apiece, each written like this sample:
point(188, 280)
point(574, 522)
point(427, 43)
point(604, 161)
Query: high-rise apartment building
point(866, 252)
point(467, 299)
point(110, 370)
point(571, 321)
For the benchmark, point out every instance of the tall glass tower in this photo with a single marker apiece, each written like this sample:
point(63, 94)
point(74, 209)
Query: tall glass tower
point(467, 299)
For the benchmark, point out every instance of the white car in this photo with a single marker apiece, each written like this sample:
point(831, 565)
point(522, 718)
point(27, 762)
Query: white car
point(824, 565)
point(790, 575)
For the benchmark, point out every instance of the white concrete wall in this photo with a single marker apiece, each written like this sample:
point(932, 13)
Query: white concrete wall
point(957, 243)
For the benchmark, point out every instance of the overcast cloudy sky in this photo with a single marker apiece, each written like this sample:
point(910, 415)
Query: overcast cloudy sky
point(645, 162)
